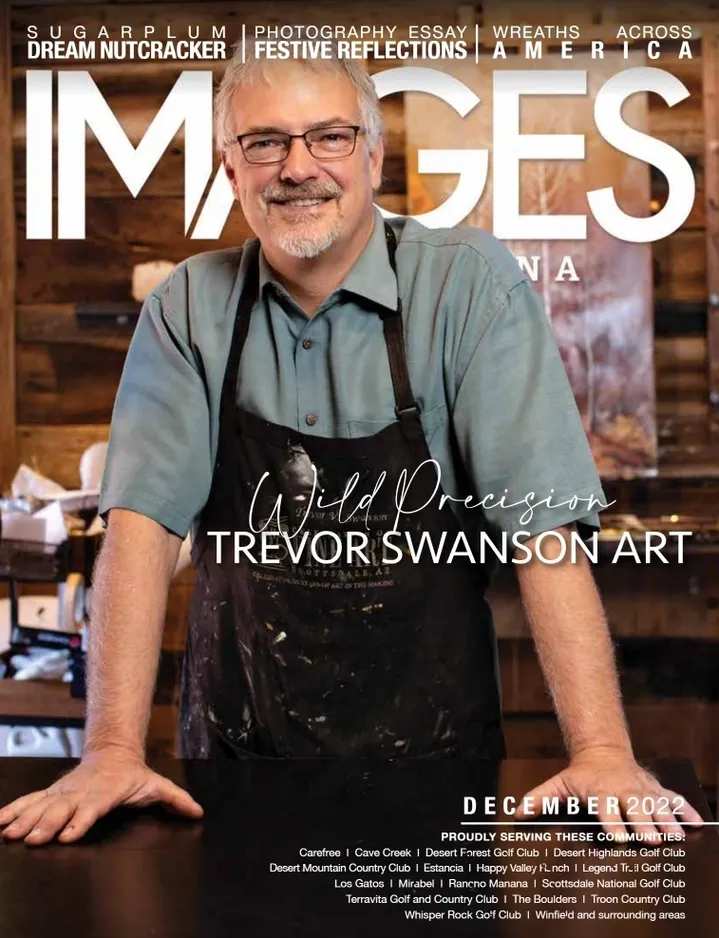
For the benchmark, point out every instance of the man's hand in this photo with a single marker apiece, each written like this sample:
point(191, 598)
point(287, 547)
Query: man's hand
point(602, 772)
point(130, 585)
point(105, 779)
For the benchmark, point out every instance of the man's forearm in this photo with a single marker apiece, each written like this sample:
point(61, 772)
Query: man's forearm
point(130, 586)
point(567, 621)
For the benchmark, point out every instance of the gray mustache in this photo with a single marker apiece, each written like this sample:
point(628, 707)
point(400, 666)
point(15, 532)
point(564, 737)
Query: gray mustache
point(278, 193)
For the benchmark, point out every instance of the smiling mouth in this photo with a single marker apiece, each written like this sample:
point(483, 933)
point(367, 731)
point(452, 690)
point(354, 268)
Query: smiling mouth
point(301, 203)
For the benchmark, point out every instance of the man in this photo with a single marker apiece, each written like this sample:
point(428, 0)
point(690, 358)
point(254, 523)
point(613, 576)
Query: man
point(302, 383)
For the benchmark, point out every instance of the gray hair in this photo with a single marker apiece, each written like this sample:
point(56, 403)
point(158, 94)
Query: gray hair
point(253, 69)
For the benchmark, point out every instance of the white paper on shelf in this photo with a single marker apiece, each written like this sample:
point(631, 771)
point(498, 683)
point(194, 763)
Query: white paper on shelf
point(78, 498)
point(48, 523)
point(34, 612)
point(48, 666)
point(28, 482)
point(20, 526)
point(55, 527)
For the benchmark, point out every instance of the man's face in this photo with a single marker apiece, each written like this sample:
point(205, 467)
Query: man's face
point(303, 205)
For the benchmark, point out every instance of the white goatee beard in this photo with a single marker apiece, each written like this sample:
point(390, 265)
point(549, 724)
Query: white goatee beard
point(305, 245)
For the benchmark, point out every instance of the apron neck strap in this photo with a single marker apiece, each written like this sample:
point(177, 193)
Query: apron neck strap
point(248, 297)
point(406, 407)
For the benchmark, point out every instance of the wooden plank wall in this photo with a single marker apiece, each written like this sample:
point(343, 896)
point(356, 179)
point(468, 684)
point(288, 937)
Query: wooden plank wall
point(7, 256)
point(66, 374)
point(665, 625)
point(710, 62)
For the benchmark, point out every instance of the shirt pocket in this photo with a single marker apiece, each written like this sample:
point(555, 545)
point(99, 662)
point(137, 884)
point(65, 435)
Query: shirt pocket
point(432, 420)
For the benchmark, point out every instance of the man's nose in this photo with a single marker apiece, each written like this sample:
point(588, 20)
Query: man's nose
point(299, 163)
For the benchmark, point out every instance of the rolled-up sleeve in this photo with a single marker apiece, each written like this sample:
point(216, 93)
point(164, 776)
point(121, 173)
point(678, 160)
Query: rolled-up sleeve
point(518, 428)
point(159, 458)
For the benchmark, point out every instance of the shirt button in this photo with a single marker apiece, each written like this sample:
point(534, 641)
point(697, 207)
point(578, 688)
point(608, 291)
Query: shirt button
point(307, 343)
point(311, 420)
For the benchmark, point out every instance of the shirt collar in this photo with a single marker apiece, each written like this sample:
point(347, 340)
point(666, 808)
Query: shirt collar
point(371, 277)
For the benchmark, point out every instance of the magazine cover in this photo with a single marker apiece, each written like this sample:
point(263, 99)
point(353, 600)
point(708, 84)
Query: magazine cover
point(359, 448)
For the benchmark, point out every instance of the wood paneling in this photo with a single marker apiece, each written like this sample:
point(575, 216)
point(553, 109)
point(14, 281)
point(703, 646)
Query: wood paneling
point(120, 233)
point(651, 670)
point(641, 600)
point(710, 59)
point(55, 451)
point(681, 126)
point(57, 324)
point(65, 383)
point(39, 700)
point(178, 606)
point(680, 266)
point(681, 386)
point(682, 730)
point(7, 261)
point(162, 731)
point(677, 730)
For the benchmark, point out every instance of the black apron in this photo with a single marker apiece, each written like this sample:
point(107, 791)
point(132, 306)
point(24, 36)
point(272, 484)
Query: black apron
point(316, 656)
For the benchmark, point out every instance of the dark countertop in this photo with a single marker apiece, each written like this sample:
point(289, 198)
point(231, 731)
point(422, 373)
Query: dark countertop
point(149, 874)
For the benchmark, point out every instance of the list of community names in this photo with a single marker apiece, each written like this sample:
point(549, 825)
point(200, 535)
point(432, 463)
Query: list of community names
point(508, 874)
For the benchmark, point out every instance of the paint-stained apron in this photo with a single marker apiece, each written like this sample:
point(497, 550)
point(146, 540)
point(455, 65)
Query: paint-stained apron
point(305, 658)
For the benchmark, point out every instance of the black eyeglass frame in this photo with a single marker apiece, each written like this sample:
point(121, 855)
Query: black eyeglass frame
point(357, 128)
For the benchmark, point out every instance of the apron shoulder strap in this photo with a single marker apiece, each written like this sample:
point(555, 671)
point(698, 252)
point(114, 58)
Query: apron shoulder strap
point(248, 298)
point(406, 407)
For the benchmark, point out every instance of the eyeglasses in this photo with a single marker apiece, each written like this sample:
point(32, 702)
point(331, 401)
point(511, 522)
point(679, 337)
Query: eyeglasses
point(324, 143)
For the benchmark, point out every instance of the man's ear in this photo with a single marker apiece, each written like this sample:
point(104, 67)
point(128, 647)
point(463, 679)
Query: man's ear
point(229, 171)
